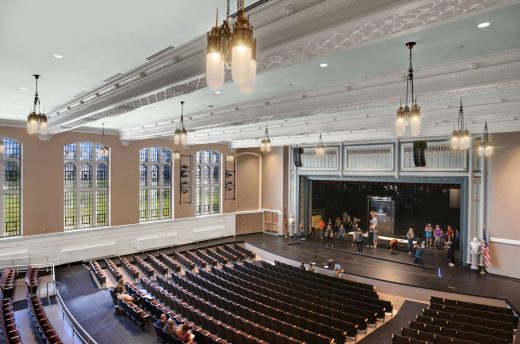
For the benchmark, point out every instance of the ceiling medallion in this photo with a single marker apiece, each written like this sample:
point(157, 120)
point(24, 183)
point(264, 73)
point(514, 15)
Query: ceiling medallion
point(232, 49)
point(409, 116)
point(181, 134)
point(37, 122)
point(460, 138)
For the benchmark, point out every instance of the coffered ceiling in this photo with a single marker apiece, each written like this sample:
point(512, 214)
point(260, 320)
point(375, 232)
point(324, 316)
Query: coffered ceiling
point(353, 98)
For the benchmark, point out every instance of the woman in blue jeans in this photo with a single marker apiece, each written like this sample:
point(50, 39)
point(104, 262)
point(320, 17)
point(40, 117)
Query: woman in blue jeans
point(410, 235)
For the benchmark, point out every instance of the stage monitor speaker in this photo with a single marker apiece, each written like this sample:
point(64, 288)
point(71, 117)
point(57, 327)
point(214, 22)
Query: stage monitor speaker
point(419, 153)
point(297, 156)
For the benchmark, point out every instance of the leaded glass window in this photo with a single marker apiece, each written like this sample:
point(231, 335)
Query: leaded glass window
point(207, 182)
point(11, 199)
point(155, 184)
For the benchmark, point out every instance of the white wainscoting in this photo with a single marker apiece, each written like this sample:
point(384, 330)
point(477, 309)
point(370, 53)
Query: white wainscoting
point(79, 245)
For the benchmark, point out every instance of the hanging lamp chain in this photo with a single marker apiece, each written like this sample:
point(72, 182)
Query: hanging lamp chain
point(227, 10)
point(182, 115)
point(410, 74)
point(36, 97)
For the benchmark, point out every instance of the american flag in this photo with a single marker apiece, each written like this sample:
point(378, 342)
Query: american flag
point(486, 255)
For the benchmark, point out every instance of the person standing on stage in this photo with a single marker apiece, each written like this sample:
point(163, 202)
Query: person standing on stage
point(373, 220)
point(358, 238)
point(300, 232)
point(428, 233)
point(451, 252)
point(437, 232)
point(410, 236)
point(371, 235)
point(341, 234)
point(322, 227)
point(376, 236)
point(329, 234)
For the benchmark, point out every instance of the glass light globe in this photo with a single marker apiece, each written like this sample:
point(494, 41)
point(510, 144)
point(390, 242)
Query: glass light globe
point(32, 123)
point(488, 151)
point(268, 146)
point(214, 71)
point(480, 150)
point(415, 126)
point(250, 86)
point(454, 141)
point(400, 127)
point(176, 139)
point(2, 147)
point(43, 128)
point(262, 146)
point(184, 139)
point(241, 64)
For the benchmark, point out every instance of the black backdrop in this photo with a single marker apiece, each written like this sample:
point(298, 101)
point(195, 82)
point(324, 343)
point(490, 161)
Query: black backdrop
point(415, 204)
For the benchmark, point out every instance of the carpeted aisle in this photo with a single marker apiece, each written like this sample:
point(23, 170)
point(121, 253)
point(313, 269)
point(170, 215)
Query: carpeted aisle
point(94, 310)
point(406, 313)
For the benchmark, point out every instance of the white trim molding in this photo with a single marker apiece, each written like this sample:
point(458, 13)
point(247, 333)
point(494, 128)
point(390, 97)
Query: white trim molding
point(505, 241)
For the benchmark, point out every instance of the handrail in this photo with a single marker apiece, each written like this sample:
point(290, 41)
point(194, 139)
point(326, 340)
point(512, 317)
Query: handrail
point(76, 327)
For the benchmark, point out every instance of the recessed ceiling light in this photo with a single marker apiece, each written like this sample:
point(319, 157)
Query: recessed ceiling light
point(57, 56)
point(217, 92)
point(324, 65)
point(483, 25)
point(157, 109)
point(4, 106)
point(23, 88)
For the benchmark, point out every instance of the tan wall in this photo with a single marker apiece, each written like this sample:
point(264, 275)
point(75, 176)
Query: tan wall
point(42, 183)
point(248, 181)
point(273, 179)
point(503, 203)
point(249, 223)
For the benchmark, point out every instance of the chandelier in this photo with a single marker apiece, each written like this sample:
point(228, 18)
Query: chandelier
point(230, 157)
point(265, 143)
point(176, 155)
point(460, 138)
point(409, 115)
point(232, 49)
point(486, 147)
point(103, 152)
point(181, 134)
point(36, 122)
point(320, 148)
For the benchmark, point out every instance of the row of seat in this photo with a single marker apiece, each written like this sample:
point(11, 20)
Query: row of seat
point(247, 252)
point(31, 279)
point(157, 264)
point(129, 268)
point(348, 301)
point(278, 308)
point(324, 278)
point(46, 332)
point(148, 270)
point(194, 258)
point(186, 262)
point(246, 332)
point(7, 282)
point(215, 328)
point(434, 330)
point(112, 268)
point(468, 319)
point(220, 258)
point(351, 323)
point(488, 331)
point(8, 332)
point(232, 250)
point(207, 258)
point(156, 309)
point(134, 312)
point(97, 272)
point(228, 255)
point(471, 305)
point(507, 318)
point(337, 288)
point(170, 262)
point(291, 324)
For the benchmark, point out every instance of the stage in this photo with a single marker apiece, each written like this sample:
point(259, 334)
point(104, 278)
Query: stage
point(379, 265)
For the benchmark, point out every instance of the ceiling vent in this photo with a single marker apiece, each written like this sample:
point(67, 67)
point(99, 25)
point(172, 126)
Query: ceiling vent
point(113, 77)
point(151, 57)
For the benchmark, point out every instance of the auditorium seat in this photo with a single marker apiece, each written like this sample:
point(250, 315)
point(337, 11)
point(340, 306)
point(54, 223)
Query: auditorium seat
point(7, 282)
point(41, 323)
point(97, 272)
point(31, 279)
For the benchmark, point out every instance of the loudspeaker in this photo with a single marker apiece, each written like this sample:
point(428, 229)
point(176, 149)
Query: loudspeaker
point(419, 153)
point(297, 156)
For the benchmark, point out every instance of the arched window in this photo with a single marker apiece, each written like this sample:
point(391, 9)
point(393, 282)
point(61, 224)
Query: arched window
point(11, 199)
point(86, 185)
point(155, 184)
point(207, 183)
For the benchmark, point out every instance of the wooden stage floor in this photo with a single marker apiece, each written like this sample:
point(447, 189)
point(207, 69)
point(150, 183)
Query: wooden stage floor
point(380, 265)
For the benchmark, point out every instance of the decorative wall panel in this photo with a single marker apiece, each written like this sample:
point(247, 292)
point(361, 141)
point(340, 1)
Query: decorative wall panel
point(327, 162)
point(369, 158)
point(439, 158)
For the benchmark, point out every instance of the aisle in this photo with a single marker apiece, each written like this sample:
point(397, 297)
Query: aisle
point(383, 334)
point(94, 310)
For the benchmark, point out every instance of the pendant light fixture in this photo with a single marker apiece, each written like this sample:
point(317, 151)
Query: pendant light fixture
point(486, 147)
point(320, 148)
point(181, 134)
point(460, 137)
point(104, 151)
point(37, 122)
point(232, 49)
point(409, 115)
point(230, 157)
point(176, 155)
point(265, 143)
point(2, 146)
